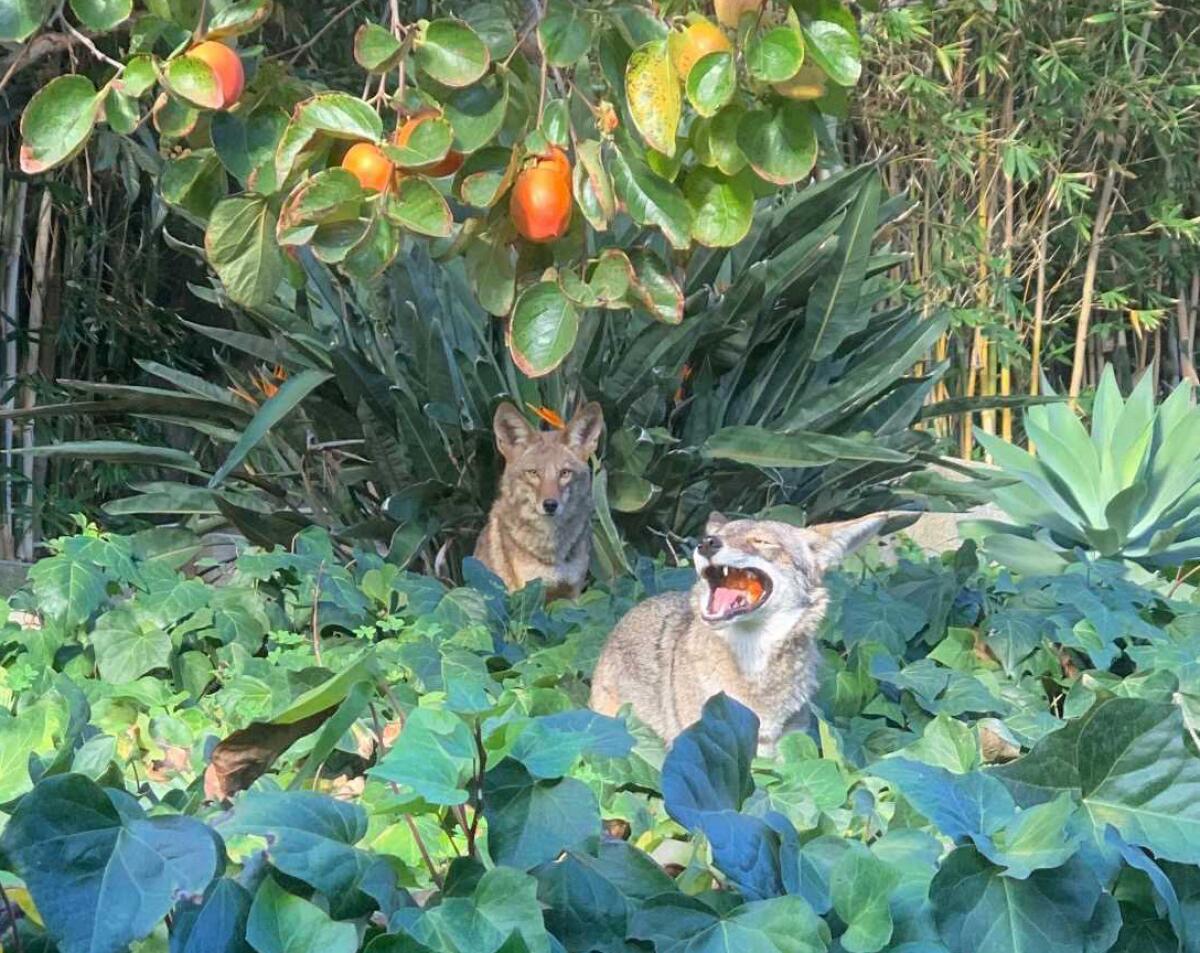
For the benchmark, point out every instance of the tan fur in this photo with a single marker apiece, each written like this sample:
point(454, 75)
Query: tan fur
point(521, 542)
point(666, 661)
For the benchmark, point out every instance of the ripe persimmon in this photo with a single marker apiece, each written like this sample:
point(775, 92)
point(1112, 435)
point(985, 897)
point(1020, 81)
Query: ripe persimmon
point(447, 165)
point(369, 165)
point(694, 41)
point(226, 65)
point(729, 12)
point(541, 202)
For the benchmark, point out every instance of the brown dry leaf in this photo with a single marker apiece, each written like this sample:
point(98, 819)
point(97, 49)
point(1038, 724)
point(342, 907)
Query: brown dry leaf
point(995, 749)
point(239, 760)
point(175, 761)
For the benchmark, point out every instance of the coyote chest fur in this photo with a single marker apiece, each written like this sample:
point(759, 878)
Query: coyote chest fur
point(748, 628)
point(540, 525)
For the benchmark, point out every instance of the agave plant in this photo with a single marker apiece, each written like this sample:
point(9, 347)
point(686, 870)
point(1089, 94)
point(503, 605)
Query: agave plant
point(785, 387)
point(1130, 489)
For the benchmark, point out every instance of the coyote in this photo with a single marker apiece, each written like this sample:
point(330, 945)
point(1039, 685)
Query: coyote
point(747, 628)
point(540, 525)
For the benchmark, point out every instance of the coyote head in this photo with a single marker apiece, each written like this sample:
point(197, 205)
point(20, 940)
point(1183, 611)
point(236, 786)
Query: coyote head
point(754, 571)
point(546, 473)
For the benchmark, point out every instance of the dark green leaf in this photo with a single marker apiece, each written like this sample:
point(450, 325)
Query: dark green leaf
point(542, 329)
point(450, 52)
point(57, 122)
point(532, 821)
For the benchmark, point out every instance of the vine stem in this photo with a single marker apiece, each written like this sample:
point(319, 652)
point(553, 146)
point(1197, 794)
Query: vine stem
point(412, 825)
point(316, 629)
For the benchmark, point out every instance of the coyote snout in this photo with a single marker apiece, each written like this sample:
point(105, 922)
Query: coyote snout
point(747, 628)
point(540, 525)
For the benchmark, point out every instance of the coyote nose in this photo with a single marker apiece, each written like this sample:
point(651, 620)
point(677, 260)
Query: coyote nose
point(550, 506)
point(708, 545)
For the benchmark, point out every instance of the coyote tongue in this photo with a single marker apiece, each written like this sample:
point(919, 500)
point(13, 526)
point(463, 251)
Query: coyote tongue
point(721, 600)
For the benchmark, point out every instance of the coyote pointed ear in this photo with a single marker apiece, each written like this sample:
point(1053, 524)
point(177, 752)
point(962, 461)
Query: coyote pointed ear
point(833, 542)
point(584, 430)
point(715, 522)
point(512, 430)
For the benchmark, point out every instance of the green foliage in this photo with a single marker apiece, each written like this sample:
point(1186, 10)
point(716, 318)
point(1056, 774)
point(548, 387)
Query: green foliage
point(775, 381)
point(598, 82)
point(1005, 765)
point(1128, 490)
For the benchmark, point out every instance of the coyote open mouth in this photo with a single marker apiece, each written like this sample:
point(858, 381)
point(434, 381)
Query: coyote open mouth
point(734, 591)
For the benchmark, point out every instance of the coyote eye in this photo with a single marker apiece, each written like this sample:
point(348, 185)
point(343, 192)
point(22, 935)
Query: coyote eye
point(531, 473)
point(565, 473)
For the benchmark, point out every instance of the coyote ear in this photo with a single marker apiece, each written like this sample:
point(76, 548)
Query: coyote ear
point(584, 430)
point(833, 542)
point(715, 522)
point(512, 430)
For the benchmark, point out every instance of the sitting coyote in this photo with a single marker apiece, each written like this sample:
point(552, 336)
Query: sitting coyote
point(540, 526)
point(747, 628)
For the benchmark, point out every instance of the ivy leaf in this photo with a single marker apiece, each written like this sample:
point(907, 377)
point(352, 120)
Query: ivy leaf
point(532, 821)
point(542, 329)
point(780, 143)
point(861, 885)
point(451, 52)
point(128, 644)
point(711, 82)
point(722, 207)
point(551, 744)
point(311, 836)
point(1054, 911)
point(566, 32)
point(652, 91)
point(834, 49)
point(676, 923)
point(217, 925)
point(101, 15)
point(281, 922)
point(651, 200)
point(57, 122)
point(68, 590)
point(775, 55)
point(375, 48)
point(434, 757)
point(103, 878)
point(1038, 838)
point(959, 805)
point(503, 903)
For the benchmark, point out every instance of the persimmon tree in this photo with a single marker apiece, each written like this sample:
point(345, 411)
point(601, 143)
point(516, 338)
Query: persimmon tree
point(573, 156)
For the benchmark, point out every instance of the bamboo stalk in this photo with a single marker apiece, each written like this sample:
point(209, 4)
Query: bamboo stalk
point(37, 307)
point(1103, 214)
point(8, 338)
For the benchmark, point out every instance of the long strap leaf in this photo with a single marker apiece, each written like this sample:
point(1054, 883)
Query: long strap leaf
point(273, 410)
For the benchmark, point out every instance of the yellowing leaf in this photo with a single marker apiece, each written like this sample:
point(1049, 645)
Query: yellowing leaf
point(652, 89)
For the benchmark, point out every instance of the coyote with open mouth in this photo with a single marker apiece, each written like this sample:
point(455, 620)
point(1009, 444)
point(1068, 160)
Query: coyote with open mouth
point(747, 628)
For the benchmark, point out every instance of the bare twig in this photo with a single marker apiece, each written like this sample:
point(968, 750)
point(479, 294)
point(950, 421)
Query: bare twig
point(91, 47)
point(316, 629)
point(297, 51)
